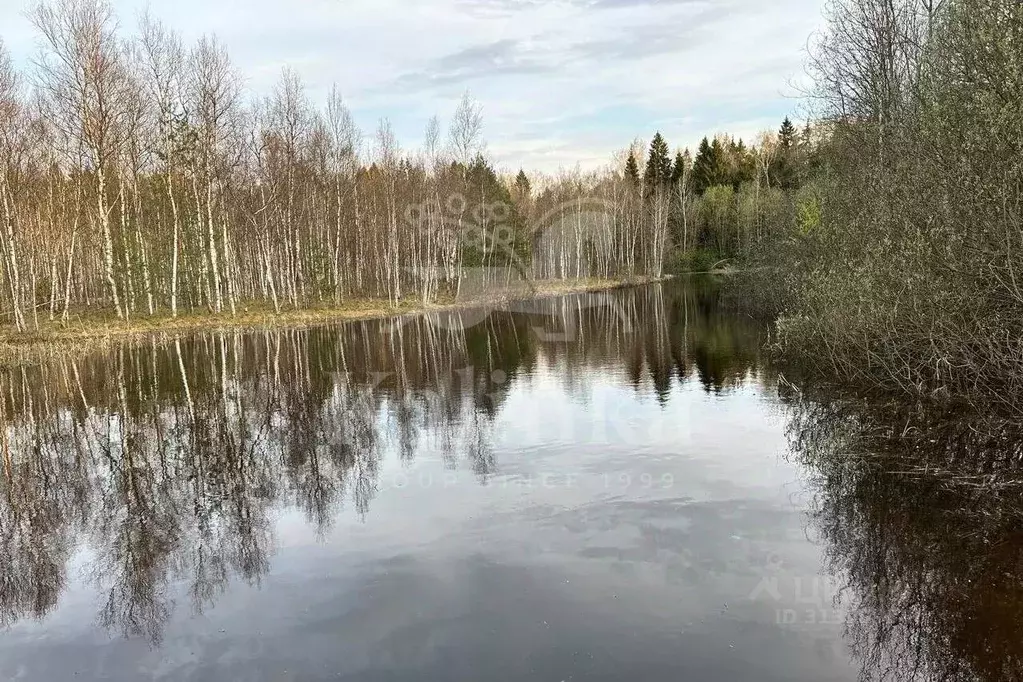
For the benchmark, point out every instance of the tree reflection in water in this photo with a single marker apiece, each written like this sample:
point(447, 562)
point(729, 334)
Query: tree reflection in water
point(921, 511)
point(165, 460)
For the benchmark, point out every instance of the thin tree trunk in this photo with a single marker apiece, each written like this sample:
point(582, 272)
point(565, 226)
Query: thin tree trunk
point(108, 242)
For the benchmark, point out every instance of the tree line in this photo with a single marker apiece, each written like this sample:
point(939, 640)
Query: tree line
point(723, 203)
point(137, 177)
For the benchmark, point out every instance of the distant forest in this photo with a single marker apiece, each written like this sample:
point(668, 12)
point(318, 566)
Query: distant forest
point(723, 204)
point(138, 177)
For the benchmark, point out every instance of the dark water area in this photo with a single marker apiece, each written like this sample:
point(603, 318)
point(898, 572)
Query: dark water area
point(596, 487)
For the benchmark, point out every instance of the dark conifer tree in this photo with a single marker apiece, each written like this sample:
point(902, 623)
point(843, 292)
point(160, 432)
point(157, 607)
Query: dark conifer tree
point(678, 169)
point(740, 165)
point(522, 186)
point(786, 170)
point(787, 136)
point(710, 167)
point(658, 165)
point(720, 163)
point(702, 167)
point(632, 169)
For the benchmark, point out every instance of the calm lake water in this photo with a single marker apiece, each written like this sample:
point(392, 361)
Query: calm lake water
point(598, 487)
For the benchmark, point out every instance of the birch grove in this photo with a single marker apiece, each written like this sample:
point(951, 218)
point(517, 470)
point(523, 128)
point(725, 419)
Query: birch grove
point(139, 178)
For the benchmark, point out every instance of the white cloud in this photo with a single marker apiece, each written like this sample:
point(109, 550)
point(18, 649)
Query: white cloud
point(561, 81)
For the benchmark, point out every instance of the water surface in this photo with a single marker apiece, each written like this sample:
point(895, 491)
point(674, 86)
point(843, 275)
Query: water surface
point(589, 487)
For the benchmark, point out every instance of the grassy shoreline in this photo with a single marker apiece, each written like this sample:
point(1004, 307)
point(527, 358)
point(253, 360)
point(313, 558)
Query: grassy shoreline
point(84, 332)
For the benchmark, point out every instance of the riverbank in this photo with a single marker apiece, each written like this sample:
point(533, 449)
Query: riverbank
point(86, 331)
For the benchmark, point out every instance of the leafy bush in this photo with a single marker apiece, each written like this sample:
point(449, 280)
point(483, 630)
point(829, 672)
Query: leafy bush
point(905, 266)
point(692, 261)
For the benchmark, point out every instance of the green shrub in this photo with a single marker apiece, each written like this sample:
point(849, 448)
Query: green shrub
point(694, 260)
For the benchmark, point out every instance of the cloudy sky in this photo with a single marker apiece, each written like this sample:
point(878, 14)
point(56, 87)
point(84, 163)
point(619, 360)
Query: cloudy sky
point(561, 82)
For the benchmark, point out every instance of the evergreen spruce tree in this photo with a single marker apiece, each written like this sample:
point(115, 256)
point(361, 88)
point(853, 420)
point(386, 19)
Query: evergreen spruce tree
point(480, 175)
point(522, 186)
point(719, 162)
point(710, 167)
point(786, 170)
point(787, 136)
point(702, 170)
point(632, 170)
point(658, 165)
point(740, 164)
point(678, 170)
